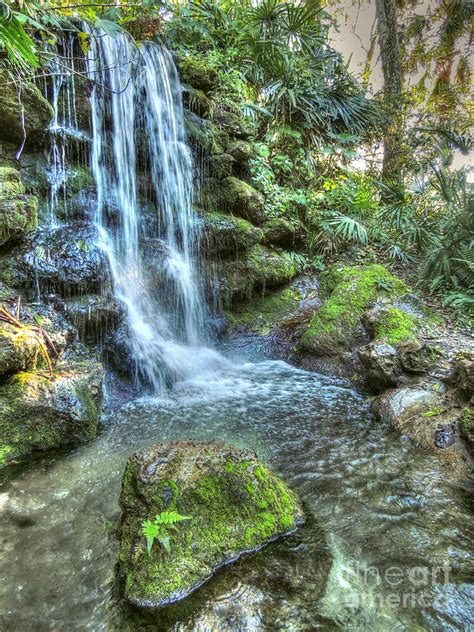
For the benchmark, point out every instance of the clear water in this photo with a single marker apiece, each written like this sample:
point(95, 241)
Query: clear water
point(138, 128)
point(373, 503)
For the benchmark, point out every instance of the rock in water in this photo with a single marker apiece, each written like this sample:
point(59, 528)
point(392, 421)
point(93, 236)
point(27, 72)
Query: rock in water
point(236, 505)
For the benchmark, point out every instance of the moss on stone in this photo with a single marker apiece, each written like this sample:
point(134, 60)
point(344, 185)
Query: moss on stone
point(396, 326)
point(5, 450)
point(354, 290)
point(18, 212)
point(236, 505)
point(198, 72)
point(226, 234)
point(261, 313)
point(38, 412)
point(240, 198)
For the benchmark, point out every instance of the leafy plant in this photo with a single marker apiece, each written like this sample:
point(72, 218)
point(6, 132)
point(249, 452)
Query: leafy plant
point(159, 529)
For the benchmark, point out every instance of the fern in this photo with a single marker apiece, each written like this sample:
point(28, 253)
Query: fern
point(159, 528)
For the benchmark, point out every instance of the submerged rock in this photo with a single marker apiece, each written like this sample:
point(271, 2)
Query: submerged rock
point(18, 212)
point(234, 504)
point(39, 412)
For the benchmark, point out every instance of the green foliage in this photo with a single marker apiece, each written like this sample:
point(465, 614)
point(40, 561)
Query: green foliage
point(159, 529)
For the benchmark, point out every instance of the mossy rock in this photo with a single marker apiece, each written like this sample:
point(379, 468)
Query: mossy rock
point(236, 505)
point(234, 123)
point(39, 412)
point(197, 72)
point(226, 234)
point(278, 232)
point(262, 313)
point(259, 268)
point(221, 166)
point(241, 151)
point(37, 112)
point(18, 212)
point(353, 290)
point(202, 134)
point(18, 349)
point(240, 198)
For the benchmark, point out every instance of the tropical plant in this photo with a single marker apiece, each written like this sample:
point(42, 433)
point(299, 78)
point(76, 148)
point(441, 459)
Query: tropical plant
point(159, 529)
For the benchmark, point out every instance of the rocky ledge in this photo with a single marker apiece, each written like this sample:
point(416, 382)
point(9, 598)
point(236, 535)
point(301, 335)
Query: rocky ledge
point(228, 502)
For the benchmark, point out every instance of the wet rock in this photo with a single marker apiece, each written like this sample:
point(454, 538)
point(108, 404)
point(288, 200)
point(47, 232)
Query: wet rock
point(93, 315)
point(381, 363)
point(221, 166)
point(224, 234)
point(64, 260)
point(242, 199)
point(444, 436)
point(234, 124)
point(463, 378)
point(196, 100)
point(18, 211)
point(466, 427)
point(37, 112)
point(258, 268)
point(39, 412)
point(234, 503)
point(418, 357)
point(116, 351)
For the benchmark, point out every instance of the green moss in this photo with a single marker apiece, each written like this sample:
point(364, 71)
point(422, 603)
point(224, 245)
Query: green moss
point(396, 326)
point(237, 506)
point(354, 290)
point(261, 313)
point(198, 72)
point(227, 234)
point(5, 450)
point(240, 198)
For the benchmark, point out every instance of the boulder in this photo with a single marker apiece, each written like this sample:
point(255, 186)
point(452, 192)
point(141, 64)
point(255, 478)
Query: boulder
point(39, 412)
point(18, 212)
point(232, 504)
point(463, 378)
point(425, 415)
point(19, 349)
point(93, 315)
point(234, 124)
point(241, 151)
point(197, 72)
point(32, 125)
point(221, 166)
point(225, 234)
point(381, 363)
point(279, 232)
point(255, 269)
point(337, 326)
point(64, 260)
point(242, 199)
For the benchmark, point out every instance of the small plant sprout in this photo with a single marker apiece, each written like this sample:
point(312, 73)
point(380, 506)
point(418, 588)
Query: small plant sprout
point(159, 529)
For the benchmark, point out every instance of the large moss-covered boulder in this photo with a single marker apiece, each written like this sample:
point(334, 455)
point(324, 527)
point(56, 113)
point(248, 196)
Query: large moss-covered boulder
point(225, 234)
point(39, 412)
point(18, 211)
point(242, 199)
point(18, 349)
point(26, 114)
point(235, 505)
point(278, 231)
point(197, 72)
point(352, 291)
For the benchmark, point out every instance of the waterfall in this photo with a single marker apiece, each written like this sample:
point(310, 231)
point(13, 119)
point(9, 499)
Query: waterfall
point(138, 124)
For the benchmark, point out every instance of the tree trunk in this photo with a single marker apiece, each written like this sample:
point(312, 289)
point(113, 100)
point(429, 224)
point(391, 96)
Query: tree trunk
point(387, 28)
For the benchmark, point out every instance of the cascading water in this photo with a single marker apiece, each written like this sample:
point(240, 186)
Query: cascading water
point(137, 120)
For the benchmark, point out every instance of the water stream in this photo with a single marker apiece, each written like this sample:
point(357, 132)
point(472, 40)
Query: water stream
point(373, 503)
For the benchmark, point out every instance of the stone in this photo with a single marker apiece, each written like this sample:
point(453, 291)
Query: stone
point(255, 269)
point(93, 315)
point(278, 232)
point(37, 112)
point(233, 503)
point(241, 151)
point(381, 364)
point(337, 326)
point(225, 234)
point(197, 72)
point(19, 349)
point(40, 412)
point(242, 199)
point(221, 166)
point(18, 211)
point(234, 123)
point(463, 378)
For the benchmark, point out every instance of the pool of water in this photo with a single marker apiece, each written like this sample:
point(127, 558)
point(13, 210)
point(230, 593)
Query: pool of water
point(385, 547)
